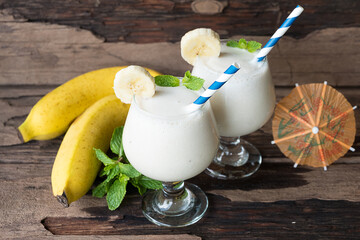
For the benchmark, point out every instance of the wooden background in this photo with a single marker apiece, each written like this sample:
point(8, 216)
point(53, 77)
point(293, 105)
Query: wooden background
point(45, 43)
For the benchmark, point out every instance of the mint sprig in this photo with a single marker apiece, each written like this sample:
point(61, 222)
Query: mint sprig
point(251, 46)
point(189, 81)
point(119, 172)
point(167, 81)
point(192, 82)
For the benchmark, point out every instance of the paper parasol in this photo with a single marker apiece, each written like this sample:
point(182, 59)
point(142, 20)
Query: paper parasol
point(314, 125)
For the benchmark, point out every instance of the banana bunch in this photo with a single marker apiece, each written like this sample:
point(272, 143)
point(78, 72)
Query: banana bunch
point(88, 99)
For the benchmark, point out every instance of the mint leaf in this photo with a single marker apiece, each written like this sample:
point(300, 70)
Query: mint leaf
point(113, 173)
point(103, 157)
point(128, 170)
point(232, 43)
point(149, 183)
point(135, 183)
point(192, 82)
point(100, 190)
point(167, 81)
point(106, 170)
point(116, 139)
point(117, 192)
point(242, 43)
point(253, 46)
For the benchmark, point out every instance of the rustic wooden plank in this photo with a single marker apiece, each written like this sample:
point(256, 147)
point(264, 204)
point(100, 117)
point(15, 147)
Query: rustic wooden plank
point(266, 203)
point(165, 20)
point(38, 53)
point(289, 220)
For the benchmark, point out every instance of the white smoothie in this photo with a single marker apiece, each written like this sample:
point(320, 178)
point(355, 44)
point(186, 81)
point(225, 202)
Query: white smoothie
point(246, 102)
point(166, 141)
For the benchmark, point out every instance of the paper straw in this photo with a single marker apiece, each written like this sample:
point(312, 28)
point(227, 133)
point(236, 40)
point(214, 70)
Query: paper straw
point(216, 85)
point(279, 33)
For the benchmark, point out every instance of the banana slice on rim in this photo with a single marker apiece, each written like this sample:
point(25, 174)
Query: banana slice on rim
point(200, 41)
point(133, 80)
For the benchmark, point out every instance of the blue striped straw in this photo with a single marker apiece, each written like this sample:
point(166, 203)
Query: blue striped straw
point(279, 33)
point(216, 85)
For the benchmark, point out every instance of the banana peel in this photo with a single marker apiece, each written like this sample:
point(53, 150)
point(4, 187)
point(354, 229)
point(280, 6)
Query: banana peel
point(76, 166)
point(52, 115)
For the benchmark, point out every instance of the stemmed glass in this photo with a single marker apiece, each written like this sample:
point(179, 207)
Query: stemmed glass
point(241, 107)
point(171, 149)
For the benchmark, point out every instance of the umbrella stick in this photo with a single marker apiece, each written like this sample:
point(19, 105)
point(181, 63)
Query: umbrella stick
point(303, 150)
point(290, 137)
point(321, 104)
point(305, 105)
point(294, 116)
point(340, 142)
point(338, 116)
point(321, 152)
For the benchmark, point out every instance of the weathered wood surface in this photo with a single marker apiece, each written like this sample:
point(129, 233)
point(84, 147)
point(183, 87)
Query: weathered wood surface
point(35, 53)
point(166, 20)
point(226, 220)
point(278, 202)
point(269, 202)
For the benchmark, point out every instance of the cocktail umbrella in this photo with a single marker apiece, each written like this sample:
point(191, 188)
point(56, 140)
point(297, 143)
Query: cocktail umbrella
point(314, 125)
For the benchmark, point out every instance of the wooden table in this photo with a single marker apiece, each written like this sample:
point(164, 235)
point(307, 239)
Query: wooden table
point(279, 202)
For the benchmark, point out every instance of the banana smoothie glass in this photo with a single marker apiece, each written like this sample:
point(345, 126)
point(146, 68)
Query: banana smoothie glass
point(241, 107)
point(165, 140)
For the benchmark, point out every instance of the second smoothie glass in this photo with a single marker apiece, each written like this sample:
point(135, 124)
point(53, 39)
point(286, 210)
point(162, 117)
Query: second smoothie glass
point(241, 106)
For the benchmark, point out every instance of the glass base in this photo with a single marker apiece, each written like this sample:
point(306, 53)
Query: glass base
point(175, 205)
point(235, 159)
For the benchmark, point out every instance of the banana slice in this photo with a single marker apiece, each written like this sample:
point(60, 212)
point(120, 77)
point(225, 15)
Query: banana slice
point(133, 80)
point(200, 41)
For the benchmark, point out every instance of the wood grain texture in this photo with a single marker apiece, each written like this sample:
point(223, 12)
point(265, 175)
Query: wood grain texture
point(279, 202)
point(38, 53)
point(28, 203)
point(271, 200)
point(167, 20)
point(226, 220)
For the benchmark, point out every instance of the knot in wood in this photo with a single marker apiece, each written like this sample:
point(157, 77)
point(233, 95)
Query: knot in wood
point(208, 7)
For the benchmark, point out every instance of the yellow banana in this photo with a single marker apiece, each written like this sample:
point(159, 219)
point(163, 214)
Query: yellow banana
point(76, 166)
point(52, 115)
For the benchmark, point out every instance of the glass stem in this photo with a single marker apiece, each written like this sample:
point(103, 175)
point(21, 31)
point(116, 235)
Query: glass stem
point(173, 189)
point(230, 140)
point(174, 199)
point(233, 153)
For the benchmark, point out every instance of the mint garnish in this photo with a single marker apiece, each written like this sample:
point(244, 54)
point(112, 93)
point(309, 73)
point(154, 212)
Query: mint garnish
point(116, 140)
point(119, 172)
point(142, 183)
point(251, 46)
point(103, 157)
point(192, 82)
point(167, 81)
point(117, 192)
point(242, 43)
point(149, 183)
point(189, 81)
point(232, 43)
point(100, 190)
